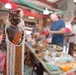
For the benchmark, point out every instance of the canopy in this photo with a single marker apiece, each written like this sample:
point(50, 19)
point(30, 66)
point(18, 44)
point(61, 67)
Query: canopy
point(27, 13)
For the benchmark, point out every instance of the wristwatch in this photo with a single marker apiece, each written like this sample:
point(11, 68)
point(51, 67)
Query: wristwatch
point(54, 32)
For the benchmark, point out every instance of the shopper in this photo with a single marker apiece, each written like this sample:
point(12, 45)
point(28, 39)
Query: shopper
point(72, 38)
point(57, 30)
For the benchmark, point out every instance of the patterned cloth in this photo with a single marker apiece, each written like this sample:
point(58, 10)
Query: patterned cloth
point(15, 59)
point(2, 60)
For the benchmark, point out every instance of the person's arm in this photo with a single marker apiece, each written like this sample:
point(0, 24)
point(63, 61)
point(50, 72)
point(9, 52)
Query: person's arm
point(61, 28)
point(61, 31)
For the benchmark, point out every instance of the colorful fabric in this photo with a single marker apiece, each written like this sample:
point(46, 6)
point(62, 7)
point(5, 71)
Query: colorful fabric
point(2, 60)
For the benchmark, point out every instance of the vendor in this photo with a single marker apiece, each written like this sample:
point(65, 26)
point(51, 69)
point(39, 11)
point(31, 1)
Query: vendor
point(57, 30)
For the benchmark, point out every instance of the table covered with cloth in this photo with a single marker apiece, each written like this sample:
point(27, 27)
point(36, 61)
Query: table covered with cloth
point(54, 69)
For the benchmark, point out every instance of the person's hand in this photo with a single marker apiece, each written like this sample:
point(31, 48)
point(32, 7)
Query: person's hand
point(41, 36)
point(3, 37)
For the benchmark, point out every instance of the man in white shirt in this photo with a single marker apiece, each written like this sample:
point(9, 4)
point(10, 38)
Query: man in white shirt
point(72, 39)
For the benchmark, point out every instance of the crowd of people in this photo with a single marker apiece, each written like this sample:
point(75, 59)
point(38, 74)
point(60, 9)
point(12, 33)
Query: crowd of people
point(57, 30)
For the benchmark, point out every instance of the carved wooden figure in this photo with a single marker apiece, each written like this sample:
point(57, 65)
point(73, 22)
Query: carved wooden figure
point(15, 45)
